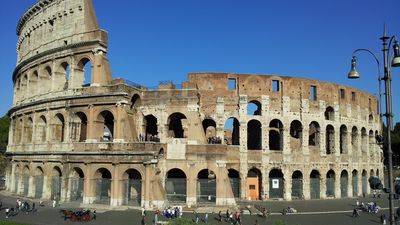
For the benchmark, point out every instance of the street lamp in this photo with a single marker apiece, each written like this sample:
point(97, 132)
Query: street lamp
point(387, 77)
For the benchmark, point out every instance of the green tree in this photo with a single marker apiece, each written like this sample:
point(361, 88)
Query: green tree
point(4, 127)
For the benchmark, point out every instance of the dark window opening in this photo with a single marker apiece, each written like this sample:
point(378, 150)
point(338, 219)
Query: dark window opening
point(275, 85)
point(296, 134)
point(313, 93)
point(275, 135)
point(209, 128)
point(342, 93)
point(330, 139)
point(254, 135)
point(151, 129)
point(329, 113)
point(343, 139)
point(232, 132)
point(175, 125)
point(314, 134)
point(353, 96)
point(231, 84)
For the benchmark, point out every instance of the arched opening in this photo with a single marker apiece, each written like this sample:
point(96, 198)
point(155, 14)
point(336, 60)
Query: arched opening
point(254, 184)
point(297, 185)
point(314, 134)
point(28, 130)
point(76, 182)
point(354, 175)
point(254, 135)
point(209, 128)
point(132, 187)
point(84, 71)
point(315, 178)
point(254, 108)
point(234, 178)
point(151, 129)
point(79, 127)
point(24, 86)
point(275, 135)
point(343, 140)
point(371, 140)
point(232, 132)
point(364, 183)
point(18, 131)
point(370, 118)
point(330, 184)
point(354, 139)
point(106, 122)
point(344, 183)
point(33, 83)
point(65, 72)
point(329, 113)
point(377, 172)
point(206, 186)
point(41, 129)
point(38, 178)
point(56, 175)
point(176, 125)
point(135, 101)
point(296, 135)
point(330, 139)
point(175, 185)
point(276, 183)
point(59, 128)
point(364, 140)
point(103, 186)
point(25, 180)
point(46, 79)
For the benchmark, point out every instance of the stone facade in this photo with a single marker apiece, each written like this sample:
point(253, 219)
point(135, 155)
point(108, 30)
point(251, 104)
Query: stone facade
point(79, 135)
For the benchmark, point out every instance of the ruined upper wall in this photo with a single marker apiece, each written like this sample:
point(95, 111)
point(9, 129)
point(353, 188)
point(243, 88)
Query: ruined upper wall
point(51, 24)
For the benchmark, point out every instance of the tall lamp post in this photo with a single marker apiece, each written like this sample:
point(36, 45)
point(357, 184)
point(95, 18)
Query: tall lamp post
point(387, 78)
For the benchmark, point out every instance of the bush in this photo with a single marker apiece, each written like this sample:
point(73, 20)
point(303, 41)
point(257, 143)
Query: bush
point(279, 222)
point(182, 221)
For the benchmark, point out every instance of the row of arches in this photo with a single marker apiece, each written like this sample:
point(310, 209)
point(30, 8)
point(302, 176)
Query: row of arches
point(53, 78)
point(54, 129)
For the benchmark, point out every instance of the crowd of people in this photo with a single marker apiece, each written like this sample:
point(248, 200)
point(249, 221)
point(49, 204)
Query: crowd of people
point(214, 140)
point(20, 206)
point(149, 137)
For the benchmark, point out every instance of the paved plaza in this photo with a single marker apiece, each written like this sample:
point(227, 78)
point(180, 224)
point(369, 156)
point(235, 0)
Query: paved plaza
point(327, 212)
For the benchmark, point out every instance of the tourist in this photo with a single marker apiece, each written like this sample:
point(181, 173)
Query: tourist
point(143, 222)
point(143, 212)
point(206, 218)
point(220, 216)
point(156, 217)
point(355, 213)
point(256, 223)
point(383, 218)
point(7, 212)
point(94, 214)
point(196, 217)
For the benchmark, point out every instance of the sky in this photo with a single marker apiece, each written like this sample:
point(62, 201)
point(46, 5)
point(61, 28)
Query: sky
point(152, 41)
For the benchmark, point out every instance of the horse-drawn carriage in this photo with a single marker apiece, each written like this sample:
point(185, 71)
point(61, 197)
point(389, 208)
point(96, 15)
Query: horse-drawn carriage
point(78, 215)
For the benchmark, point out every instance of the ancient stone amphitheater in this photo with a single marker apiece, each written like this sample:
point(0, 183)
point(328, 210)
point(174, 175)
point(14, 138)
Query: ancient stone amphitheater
point(78, 135)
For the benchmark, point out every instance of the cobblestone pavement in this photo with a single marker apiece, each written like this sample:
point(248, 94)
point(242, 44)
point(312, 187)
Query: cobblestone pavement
point(50, 216)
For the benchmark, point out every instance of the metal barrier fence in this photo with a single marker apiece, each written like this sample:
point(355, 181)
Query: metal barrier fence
point(235, 184)
point(56, 188)
point(176, 189)
point(103, 191)
point(364, 184)
point(26, 184)
point(276, 188)
point(297, 188)
point(344, 183)
point(206, 190)
point(330, 187)
point(39, 186)
point(315, 188)
point(355, 185)
point(76, 185)
point(132, 192)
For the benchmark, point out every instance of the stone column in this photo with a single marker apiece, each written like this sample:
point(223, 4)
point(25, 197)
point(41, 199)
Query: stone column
point(306, 187)
point(64, 188)
point(224, 189)
point(337, 185)
point(287, 191)
point(243, 185)
point(322, 143)
point(191, 197)
point(359, 183)
point(91, 126)
point(119, 126)
point(12, 177)
point(46, 187)
point(117, 188)
point(322, 186)
point(304, 140)
point(350, 185)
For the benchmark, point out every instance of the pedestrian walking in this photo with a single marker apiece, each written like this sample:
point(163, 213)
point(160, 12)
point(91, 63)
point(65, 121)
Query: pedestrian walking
point(197, 217)
point(220, 216)
point(156, 217)
point(143, 222)
point(355, 213)
point(7, 212)
point(383, 218)
point(206, 218)
point(256, 223)
point(94, 214)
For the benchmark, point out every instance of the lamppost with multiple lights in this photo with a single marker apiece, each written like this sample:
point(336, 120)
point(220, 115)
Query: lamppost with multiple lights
point(387, 78)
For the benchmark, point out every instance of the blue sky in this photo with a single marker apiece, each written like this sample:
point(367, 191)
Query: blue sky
point(152, 41)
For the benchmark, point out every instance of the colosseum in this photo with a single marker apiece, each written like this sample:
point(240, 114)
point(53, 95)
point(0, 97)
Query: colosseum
point(78, 135)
